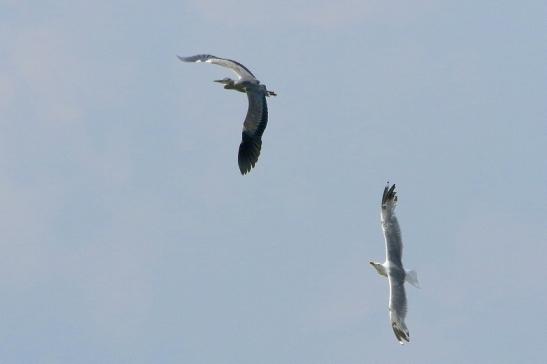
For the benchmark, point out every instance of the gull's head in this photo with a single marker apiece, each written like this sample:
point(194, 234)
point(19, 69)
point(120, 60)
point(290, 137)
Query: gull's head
point(379, 268)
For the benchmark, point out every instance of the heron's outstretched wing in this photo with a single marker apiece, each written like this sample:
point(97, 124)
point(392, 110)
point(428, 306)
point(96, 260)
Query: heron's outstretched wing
point(253, 128)
point(397, 303)
point(240, 70)
point(390, 226)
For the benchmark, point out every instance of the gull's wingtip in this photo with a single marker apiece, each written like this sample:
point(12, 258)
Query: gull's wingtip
point(389, 194)
point(401, 335)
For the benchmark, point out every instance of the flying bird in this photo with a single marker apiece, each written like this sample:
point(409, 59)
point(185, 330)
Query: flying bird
point(393, 268)
point(257, 113)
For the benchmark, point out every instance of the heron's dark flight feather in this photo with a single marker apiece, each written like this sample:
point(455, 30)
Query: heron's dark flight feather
point(253, 128)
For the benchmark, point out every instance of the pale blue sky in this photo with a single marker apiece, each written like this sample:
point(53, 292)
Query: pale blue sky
point(128, 235)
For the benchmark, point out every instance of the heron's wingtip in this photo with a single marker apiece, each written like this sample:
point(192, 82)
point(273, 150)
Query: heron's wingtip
point(249, 151)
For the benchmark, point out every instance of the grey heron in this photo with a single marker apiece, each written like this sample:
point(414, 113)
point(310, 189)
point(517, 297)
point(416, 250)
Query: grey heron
point(257, 112)
point(393, 268)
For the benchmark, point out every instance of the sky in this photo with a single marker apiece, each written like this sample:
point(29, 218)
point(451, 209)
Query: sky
point(128, 235)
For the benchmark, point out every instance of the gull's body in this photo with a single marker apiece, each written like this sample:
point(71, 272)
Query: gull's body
point(257, 113)
point(393, 268)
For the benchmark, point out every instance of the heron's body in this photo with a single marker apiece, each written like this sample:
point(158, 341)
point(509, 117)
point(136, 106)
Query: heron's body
point(257, 113)
point(393, 268)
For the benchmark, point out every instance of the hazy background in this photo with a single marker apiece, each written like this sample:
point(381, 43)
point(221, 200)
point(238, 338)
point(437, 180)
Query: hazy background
point(127, 234)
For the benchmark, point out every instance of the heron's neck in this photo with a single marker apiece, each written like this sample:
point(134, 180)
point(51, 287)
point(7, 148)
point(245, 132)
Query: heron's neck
point(235, 86)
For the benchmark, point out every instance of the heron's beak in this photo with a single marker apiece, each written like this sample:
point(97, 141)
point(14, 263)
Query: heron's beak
point(221, 81)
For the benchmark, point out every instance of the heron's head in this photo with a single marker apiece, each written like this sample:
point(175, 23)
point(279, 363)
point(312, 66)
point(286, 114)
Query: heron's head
point(226, 81)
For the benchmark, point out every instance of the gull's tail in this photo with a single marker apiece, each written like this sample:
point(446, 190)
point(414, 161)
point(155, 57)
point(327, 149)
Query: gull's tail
point(412, 278)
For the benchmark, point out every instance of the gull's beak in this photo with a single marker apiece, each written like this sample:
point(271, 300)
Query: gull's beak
point(371, 263)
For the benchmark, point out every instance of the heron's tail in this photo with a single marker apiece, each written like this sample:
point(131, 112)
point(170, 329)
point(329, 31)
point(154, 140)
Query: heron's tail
point(412, 278)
